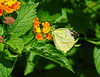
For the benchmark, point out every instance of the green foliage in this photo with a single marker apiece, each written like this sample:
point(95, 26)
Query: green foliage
point(45, 16)
point(49, 66)
point(1, 30)
point(5, 67)
point(97, 30)
point(31, 62)
point(40, 58)
point(50, 52)
point(97, 58)
point(28, 36)
point(17, 44)
point(63, 17)
point(9, 56)
point(1, 46)
point(26, 15)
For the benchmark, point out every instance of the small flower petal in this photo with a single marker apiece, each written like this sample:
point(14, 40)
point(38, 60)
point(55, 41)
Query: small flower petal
point(1, 41)
point(9, 20)
point(39, 36)
point(48, 36)
point(0, 37)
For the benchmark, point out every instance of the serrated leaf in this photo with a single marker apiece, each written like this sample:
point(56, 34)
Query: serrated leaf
point(17, 44)
point(23, 23)
point(31, 62)
point(97, 59)
point(50, 52)
point(5, 67)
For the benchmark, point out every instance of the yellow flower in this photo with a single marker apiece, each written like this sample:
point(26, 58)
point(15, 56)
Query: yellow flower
point(1, 1)
point(38, 30)
point(46, 30)
point(46, 24)
point(46, 27)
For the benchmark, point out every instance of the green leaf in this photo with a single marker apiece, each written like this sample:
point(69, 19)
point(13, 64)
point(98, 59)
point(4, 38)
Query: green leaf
point(17, 44)
point(1, 46)
point(8, 55)
point(45, 16)
point(97, 58)
point(31, 61)
point(50, 52)
point(49, 66)
point(5, 67)
point(97, 30)
point(1, 30)
point(63, 17)
point(29, 45)
point(28, 36)
point(93, 5)
point(23, 23)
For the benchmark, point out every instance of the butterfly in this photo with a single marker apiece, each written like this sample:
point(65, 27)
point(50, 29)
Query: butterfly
point(64, 38)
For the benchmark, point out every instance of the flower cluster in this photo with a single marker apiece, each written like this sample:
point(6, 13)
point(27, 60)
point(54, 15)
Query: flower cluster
point(8, 6)
point(41, 33)
point(9, 20)
point(1, 39)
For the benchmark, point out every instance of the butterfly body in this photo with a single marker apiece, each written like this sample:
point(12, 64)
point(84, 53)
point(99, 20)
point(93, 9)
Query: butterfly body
point(63, 39)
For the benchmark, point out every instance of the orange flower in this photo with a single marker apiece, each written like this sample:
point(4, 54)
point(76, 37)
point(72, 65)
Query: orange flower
point(9, 6)
point(37, 19)
point(1, 12)
point(16, 6)
point(36, 22)
point(48, 36)
point(8, 9)
point(39, 36)
point(44, 31)
point(3, 7)
point(34, 30)
point(46, 24)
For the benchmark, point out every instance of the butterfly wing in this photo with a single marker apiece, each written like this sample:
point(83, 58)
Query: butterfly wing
point(63, 39)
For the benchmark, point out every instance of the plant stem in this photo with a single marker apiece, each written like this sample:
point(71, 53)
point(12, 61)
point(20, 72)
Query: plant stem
point(14, 64)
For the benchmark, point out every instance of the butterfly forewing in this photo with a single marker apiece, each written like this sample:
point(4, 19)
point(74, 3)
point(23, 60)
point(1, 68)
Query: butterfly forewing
point(62, 39)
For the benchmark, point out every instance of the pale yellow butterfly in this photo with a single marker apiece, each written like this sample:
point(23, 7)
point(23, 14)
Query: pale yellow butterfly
point(64, 39)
